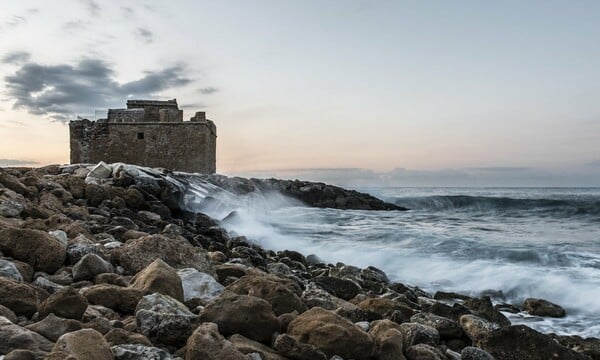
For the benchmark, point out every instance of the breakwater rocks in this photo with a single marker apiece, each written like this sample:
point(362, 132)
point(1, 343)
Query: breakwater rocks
point(107, 264)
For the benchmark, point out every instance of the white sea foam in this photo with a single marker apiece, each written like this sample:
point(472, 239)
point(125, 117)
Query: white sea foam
point(531, 257)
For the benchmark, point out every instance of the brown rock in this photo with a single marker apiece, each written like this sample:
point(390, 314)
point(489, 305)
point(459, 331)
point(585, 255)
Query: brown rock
point(113, 297)
point(424, 352)
point(386, 307)
point(241, 314)
point(388, 338)
point(206, 343)
point(293, 349)
point(523, 343)
point(247, 346)
point(66, 303)
point(19, 297)
point(83, 344)
point(136, 254)
point(159, 277)
point(37, 248)
point(8, 313)
point(541, 307)
point(122, 336)
point(332, 334)
point(281, 293)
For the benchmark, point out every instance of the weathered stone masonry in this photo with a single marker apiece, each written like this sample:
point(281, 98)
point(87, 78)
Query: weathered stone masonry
point(148, 133)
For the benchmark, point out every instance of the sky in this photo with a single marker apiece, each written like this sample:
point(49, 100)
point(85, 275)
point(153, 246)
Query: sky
point(436, 93)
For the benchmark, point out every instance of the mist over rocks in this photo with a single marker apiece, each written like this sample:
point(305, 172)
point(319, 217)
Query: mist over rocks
point(115, 264)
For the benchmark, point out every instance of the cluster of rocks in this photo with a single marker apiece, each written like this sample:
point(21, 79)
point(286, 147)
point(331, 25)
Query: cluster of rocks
point(314, 194)
point(102, 263)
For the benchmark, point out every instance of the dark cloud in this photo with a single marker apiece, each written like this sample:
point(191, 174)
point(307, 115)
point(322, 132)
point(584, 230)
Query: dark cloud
point(146, 35)
point(16, 57)
point(16, 162)
point(208, 90)
point(60, 91)
point(499, 168)
point(14, 21)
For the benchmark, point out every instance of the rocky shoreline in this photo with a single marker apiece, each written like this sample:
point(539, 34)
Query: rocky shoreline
point(106, 262)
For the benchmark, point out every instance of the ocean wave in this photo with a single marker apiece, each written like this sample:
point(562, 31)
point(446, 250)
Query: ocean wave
point(589, 205)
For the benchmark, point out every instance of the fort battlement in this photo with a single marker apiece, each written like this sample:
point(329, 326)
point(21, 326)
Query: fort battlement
point(148, 133)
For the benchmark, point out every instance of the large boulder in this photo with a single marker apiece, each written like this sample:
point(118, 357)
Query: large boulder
point(82, 345)
point(19, 297)
point(242, 314)
point(159, 277)
point(114, 297)
point(520, 342)
point(53, 327)
point(448, 329)
point(387, 308)
point(67, 303)
point(164, 320)
point(414, 333)
point(342, 288)
point(281, 293)
point(208, 344)
point(477, 328)
point(332, 334)
point(388, 338)
point(541, 307)
point(89, 266)
point(176, 251)
point(37, 248)
point(14, 337)
point(199, 285)
point(484, 308)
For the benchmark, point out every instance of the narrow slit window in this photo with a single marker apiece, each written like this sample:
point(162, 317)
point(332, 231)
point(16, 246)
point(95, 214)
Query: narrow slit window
point(140, 136)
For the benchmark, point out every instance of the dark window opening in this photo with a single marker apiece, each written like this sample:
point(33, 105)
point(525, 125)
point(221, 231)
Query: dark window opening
point(140, 136)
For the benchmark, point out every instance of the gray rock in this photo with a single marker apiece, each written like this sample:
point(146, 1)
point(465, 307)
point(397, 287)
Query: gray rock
point(89, 266)
point(53, 327)
point(9, 270)
point(139, 352)
point(413, 334)
point(445, 327)
point(77, 251)
point(200, 285)
point(61, 236)
point(164, 320)
point(16, 337)
point(98, 172)
point(47, 285)
point(473, 353)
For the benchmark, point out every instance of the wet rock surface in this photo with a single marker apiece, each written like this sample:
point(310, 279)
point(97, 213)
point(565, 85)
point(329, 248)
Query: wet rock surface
point(113, 266)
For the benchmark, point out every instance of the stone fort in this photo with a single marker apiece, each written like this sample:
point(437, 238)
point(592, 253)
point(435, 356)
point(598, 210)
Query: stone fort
point(147, 133)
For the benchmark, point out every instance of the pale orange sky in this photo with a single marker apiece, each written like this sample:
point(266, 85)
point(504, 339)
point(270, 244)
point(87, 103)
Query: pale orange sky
point(343, 84)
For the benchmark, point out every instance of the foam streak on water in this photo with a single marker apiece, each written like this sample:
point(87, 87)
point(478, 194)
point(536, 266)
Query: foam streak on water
point(525, 242)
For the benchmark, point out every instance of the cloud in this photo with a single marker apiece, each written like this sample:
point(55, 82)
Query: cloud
point(16, 57)
point(61, 91)
point(92, 7)
point(16, 162)
point(499, 168)
point(208, 90)
point(75, 25)
point(146, 35)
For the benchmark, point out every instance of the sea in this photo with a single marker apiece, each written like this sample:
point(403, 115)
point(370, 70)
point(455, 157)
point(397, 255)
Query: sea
point(514, 243)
